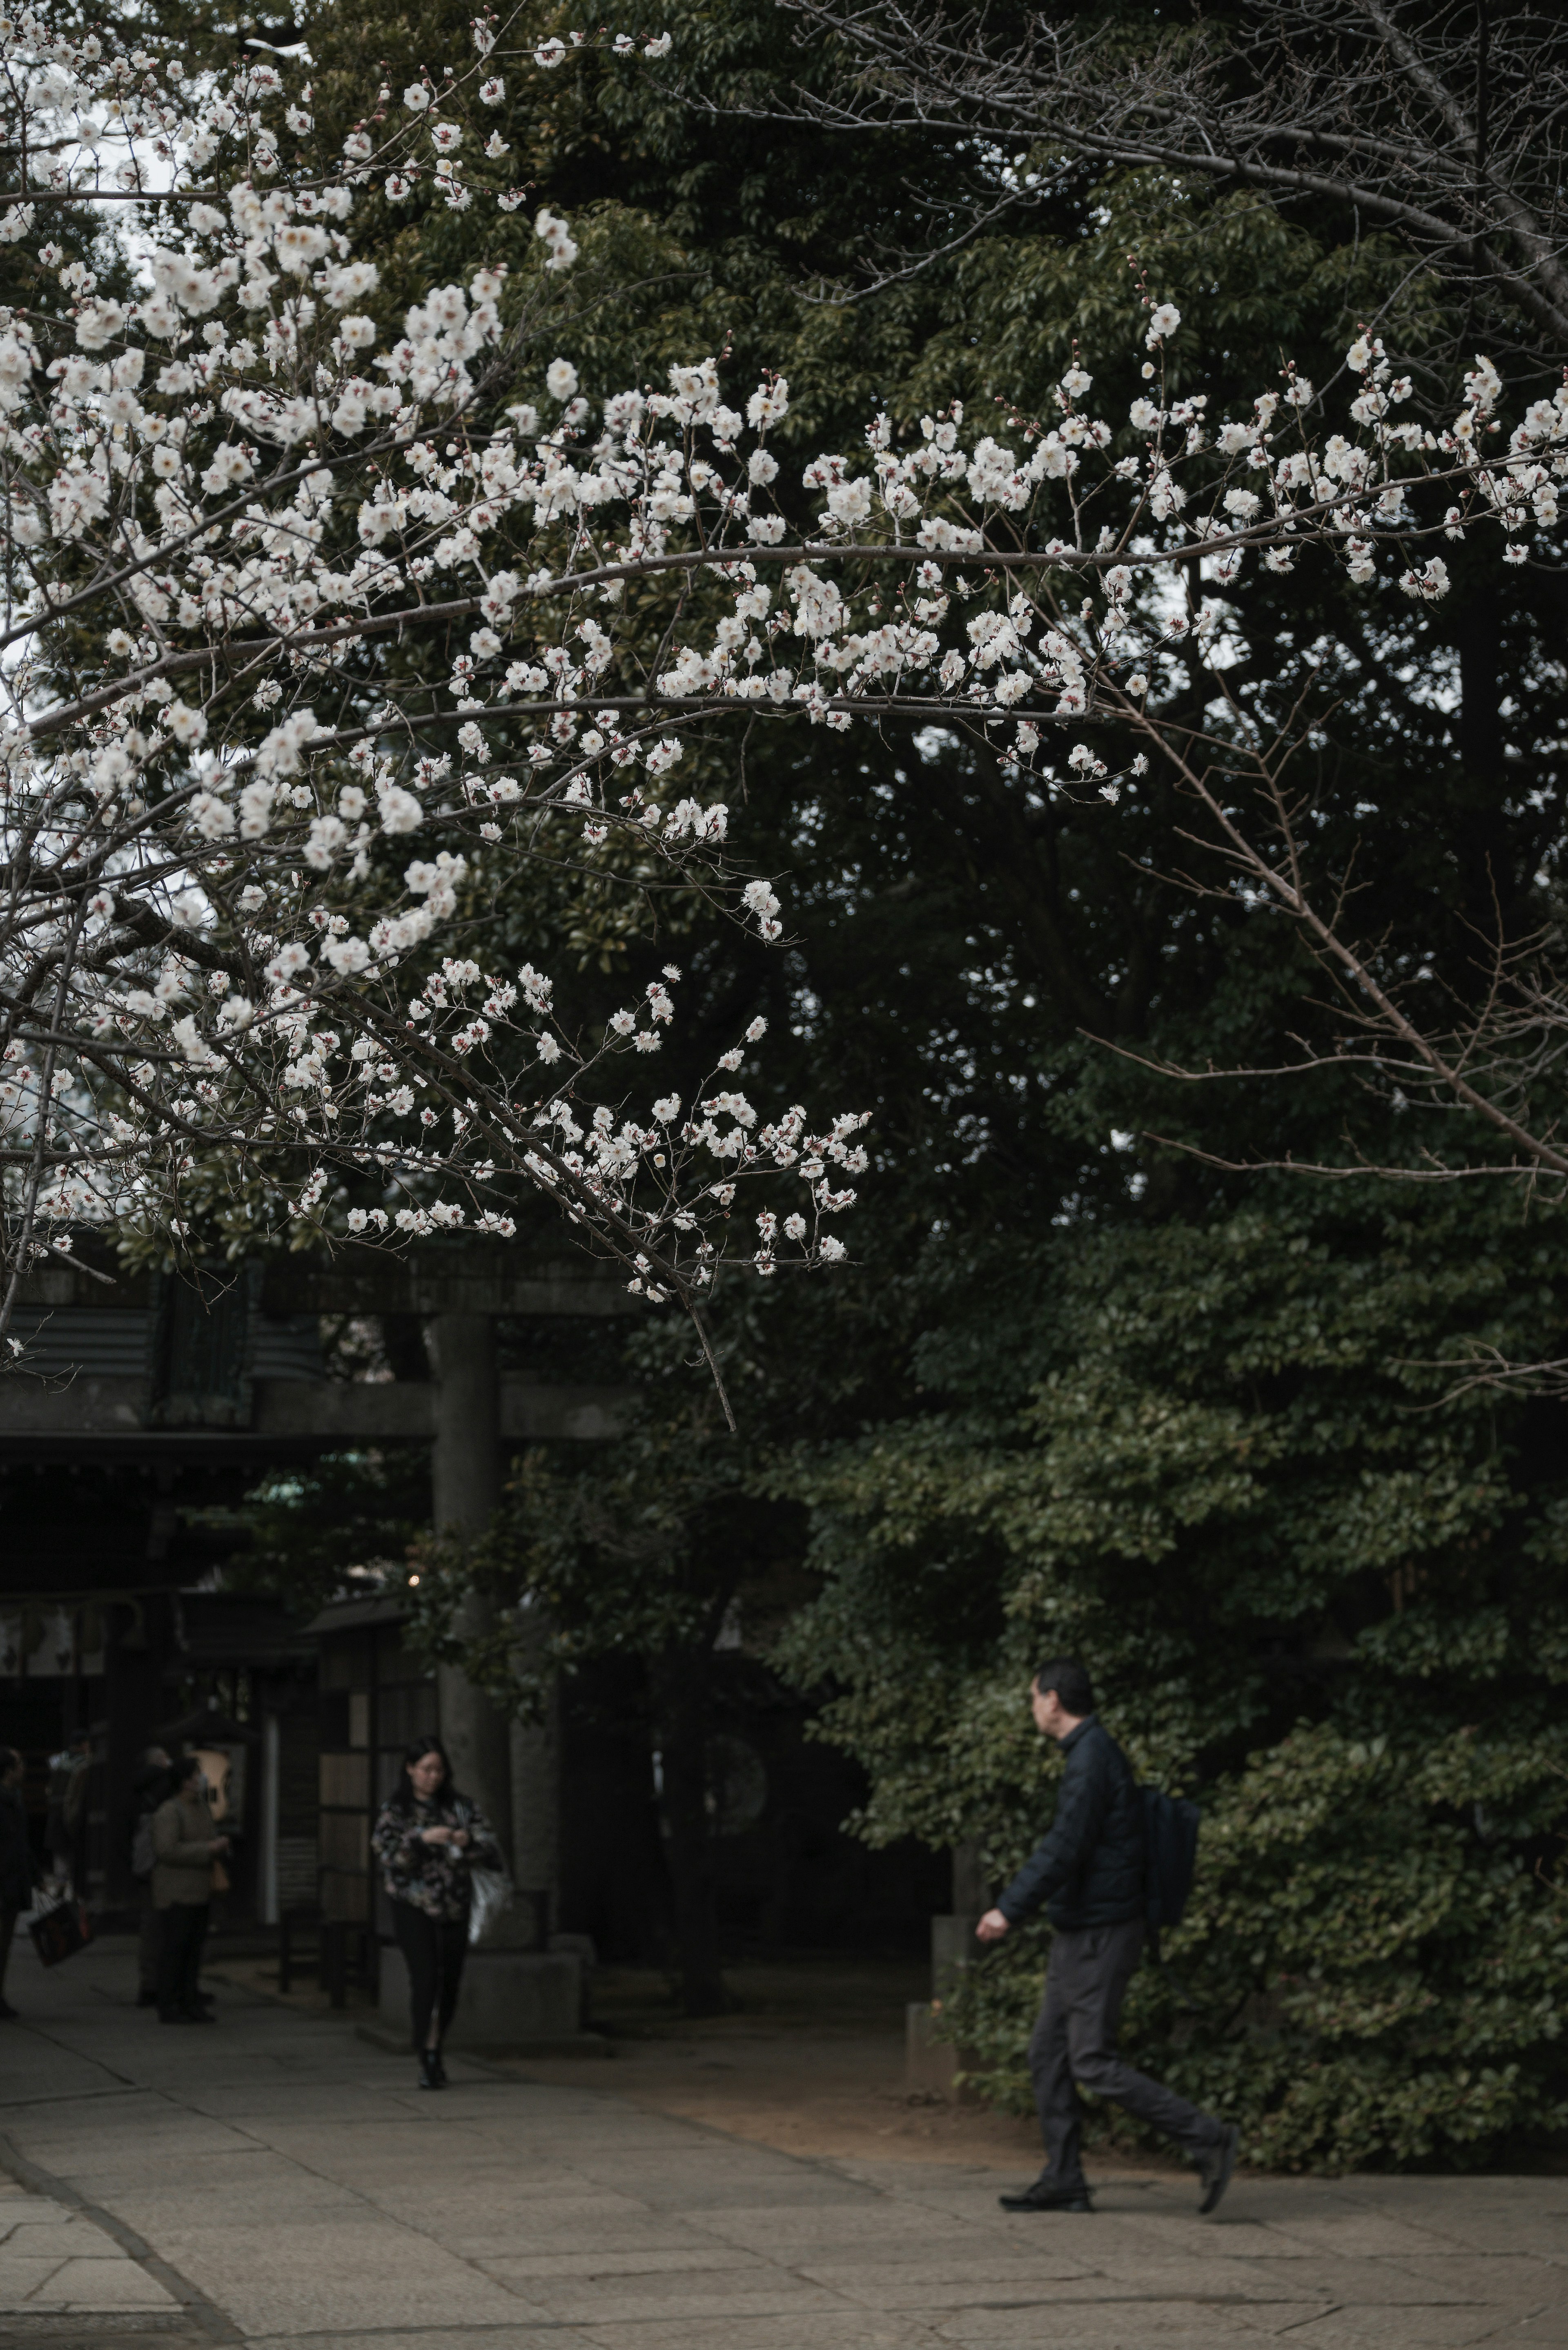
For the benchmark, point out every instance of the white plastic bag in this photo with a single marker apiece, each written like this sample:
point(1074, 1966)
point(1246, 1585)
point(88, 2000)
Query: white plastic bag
point(491, 1895)
point(490, 1891)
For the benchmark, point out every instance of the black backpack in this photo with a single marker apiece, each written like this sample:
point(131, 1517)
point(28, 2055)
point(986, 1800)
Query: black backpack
point(1171, 1856)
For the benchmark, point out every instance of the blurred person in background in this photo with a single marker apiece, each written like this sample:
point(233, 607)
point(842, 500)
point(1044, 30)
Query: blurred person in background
point(147, 1789)
point(18, 1870)
point(64, 1824)
point(186, 1845)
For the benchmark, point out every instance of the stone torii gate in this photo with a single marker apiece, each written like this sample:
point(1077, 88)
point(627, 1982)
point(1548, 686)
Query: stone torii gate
point(218, 1370)
point(460, 1293)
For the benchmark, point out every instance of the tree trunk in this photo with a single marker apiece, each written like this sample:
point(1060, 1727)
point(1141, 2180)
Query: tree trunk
point(680, 1727)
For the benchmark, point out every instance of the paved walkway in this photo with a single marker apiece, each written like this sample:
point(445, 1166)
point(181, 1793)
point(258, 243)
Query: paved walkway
point(276, 2181)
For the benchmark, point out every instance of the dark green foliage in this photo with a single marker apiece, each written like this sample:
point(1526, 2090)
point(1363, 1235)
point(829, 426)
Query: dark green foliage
point(314, 1529)
point(1310, 1591)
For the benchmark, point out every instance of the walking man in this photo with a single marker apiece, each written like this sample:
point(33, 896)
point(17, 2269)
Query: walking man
point(1089, 1872)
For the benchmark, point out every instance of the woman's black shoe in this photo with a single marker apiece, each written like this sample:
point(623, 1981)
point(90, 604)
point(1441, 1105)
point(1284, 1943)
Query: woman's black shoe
point(431, 2074)
point(439, 2070)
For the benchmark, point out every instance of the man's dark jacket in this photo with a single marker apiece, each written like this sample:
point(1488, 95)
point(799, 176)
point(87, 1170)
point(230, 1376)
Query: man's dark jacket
point(1089, 1868)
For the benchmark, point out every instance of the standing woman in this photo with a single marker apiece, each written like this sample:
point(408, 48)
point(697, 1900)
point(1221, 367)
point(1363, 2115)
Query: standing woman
point(186, 1844)
point(18, 1871)
point(427, 1839)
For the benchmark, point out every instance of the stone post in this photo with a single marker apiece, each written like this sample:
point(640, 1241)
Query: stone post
point(971, 1894)
point(534, 1812)
point(931, 2065)
point(466, 1474)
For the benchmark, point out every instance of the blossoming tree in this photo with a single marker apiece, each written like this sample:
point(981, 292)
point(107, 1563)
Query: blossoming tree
point(317, 622)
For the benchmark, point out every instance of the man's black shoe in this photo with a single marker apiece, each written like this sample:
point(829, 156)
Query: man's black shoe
point(1043, 2197)
point(1214, 2170)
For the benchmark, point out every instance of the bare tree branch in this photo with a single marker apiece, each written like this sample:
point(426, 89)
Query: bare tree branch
point(1443, 124)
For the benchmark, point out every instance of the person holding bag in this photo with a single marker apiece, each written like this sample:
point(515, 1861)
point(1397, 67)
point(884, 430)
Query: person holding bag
point(18, 1869)
point(186, 1849)
point(431, 1841)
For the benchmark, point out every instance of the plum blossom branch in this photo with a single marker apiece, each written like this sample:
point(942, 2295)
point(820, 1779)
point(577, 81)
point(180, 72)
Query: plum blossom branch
point(249, 831)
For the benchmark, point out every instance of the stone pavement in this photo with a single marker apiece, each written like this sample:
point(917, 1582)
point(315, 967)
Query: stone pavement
point(276, 2181)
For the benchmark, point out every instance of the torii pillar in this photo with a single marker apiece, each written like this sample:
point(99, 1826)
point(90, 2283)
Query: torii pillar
point(466, 1472)
point(509, 1767)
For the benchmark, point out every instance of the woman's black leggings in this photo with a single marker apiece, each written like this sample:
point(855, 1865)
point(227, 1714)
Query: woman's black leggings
point(433, 1951)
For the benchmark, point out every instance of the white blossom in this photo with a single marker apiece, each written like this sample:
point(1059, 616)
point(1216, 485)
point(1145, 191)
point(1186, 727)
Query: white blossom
point(285, 489)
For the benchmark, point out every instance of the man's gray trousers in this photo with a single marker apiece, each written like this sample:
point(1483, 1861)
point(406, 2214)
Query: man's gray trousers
point(1075, 2041)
